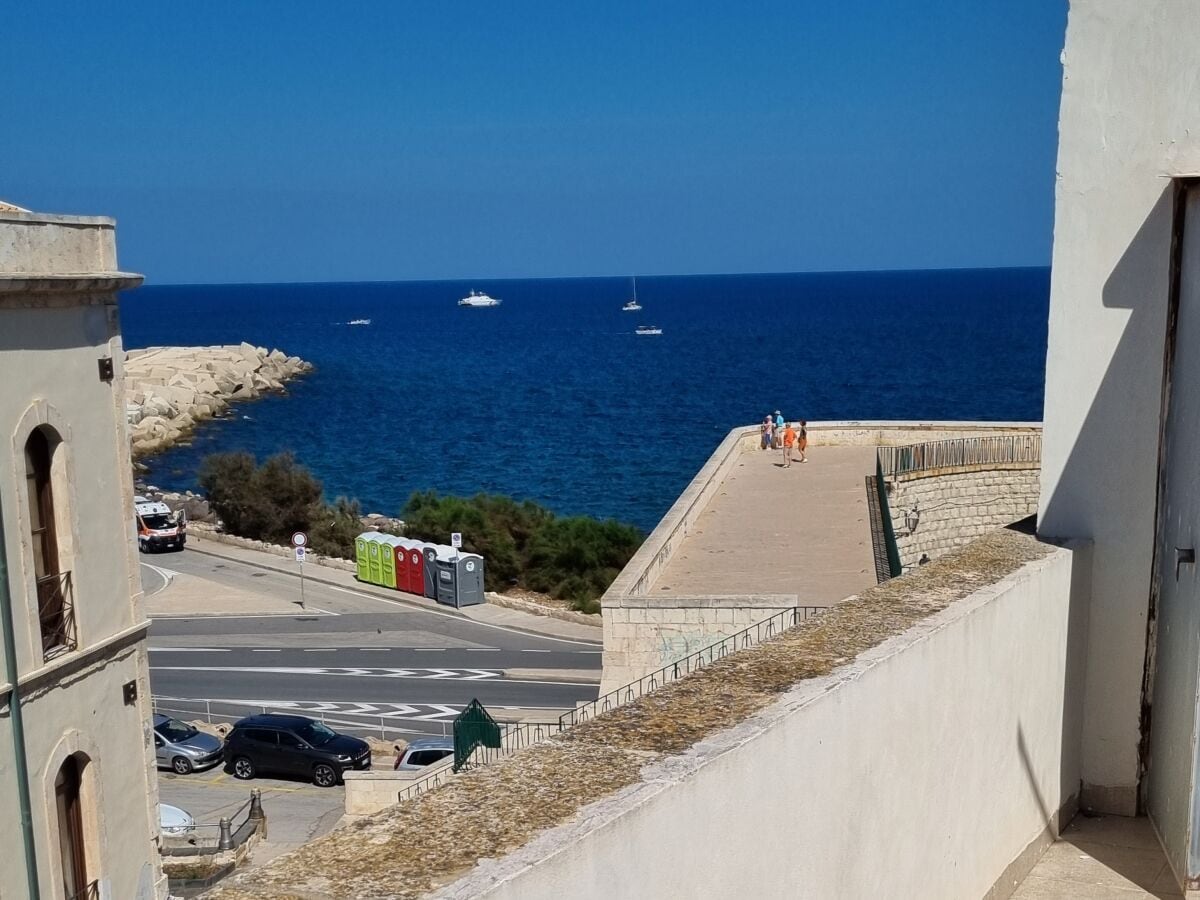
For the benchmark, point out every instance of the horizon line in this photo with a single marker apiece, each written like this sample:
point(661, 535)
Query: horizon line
point(505, 278)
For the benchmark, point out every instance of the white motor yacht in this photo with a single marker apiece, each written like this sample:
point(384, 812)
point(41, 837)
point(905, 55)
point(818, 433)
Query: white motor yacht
point(648, 329)
point(478, 299)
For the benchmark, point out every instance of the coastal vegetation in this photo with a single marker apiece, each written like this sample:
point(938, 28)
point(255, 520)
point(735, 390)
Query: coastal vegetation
point(525, 545)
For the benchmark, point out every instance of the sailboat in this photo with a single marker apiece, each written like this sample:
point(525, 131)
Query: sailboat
point(632, 305)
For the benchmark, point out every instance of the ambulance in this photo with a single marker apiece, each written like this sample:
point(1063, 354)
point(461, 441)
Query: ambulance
point(157, 527)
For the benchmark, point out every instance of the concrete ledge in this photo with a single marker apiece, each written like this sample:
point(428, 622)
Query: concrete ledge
point(376, 789)
point(708, 601)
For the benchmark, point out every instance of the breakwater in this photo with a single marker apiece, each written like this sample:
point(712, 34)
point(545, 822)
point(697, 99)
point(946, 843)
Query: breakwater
point(170, 389)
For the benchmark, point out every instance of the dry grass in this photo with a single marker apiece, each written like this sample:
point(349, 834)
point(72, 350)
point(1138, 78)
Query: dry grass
point(415, 848)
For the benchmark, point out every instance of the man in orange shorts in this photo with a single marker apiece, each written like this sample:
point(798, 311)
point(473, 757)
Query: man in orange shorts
point(789, 441)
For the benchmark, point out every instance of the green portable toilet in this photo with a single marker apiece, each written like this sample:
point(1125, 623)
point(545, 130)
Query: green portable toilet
point(387, 560)
point(362, 568)
point(374, 570)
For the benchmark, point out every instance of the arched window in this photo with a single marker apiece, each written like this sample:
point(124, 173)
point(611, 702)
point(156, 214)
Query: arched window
point(68, 799)
point(55, 614)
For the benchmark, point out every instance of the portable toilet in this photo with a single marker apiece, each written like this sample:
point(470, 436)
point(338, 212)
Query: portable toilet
point(470, 579)
point(430, 552)
point(446, 573)
point(410, 560)
point(387, 560)
point(400, 561)
point(374, 571)
point(362, 569)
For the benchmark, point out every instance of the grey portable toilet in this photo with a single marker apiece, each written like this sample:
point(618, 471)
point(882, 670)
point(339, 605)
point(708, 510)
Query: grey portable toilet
point(431, 556)
point(470, 579)
point(445, 574)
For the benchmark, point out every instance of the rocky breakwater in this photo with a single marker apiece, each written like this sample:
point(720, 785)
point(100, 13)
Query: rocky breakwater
point(169, 389)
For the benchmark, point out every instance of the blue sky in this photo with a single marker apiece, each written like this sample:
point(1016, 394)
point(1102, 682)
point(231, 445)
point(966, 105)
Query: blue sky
point(300, 141)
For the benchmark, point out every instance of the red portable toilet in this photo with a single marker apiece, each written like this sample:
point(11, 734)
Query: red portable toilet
point(413, 567)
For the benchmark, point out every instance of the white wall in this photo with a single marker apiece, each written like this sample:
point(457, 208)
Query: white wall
point(1128, 122)
point(923, 769)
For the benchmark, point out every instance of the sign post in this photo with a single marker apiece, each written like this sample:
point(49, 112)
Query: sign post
point(456, 543)
point(300, 542)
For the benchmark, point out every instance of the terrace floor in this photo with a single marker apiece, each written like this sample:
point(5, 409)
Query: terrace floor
point(1109, 857)
point(771, 530)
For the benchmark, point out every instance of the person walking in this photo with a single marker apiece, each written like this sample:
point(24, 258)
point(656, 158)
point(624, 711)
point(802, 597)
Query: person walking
point(802, 441)
point(789, 441)
point(778, 423)
point(768, 433)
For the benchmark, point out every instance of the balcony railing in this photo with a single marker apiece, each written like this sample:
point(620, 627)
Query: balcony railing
point(56, 614)
point(993, 450)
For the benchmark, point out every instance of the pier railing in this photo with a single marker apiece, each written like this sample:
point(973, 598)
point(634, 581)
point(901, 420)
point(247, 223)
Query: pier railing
point(967, 452)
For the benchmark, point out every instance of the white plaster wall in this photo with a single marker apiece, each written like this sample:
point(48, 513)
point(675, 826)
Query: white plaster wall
point(1127, 123)
point(923, 769)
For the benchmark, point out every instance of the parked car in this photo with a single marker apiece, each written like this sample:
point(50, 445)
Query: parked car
point(293, 745)
point(173, 820)
point(182, 748)
point(425, 751)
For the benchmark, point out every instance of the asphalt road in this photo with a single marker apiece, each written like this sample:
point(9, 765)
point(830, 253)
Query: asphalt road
point(355, 659)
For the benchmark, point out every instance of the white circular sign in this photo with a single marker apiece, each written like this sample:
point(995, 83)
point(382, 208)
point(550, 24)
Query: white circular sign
point(299, 539)
point(470, 566)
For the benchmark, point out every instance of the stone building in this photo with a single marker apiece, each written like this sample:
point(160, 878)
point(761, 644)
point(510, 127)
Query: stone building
point(77, 778)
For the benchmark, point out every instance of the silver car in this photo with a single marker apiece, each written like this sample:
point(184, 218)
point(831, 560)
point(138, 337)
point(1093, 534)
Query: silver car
point(180, 747)
point(424, 752)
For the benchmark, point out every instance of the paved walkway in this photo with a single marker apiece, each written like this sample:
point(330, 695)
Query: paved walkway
point(1109, 857)
point(771, 530)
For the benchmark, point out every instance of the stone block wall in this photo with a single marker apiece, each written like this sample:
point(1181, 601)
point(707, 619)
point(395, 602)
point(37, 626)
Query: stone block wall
point(955, 507)
point(643, 634)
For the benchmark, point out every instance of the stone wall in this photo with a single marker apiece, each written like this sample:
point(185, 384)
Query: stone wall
point(169, 389)
point(643, 634)
point(954, 507)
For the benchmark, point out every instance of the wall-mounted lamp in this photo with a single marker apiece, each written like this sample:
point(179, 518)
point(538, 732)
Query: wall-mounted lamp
point(912, 518)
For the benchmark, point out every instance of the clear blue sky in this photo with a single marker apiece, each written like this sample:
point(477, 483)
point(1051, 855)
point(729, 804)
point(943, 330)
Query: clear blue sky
point(304, 141)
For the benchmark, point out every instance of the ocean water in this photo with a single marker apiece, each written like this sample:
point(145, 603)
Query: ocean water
point(552, 396)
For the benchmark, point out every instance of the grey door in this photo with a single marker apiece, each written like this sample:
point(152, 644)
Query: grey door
point(1171, 779)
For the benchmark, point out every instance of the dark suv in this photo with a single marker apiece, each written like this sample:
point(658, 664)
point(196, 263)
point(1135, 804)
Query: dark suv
point(293, 745)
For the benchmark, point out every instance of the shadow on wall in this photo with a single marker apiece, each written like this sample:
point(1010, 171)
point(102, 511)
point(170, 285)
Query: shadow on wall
point(1106, 491)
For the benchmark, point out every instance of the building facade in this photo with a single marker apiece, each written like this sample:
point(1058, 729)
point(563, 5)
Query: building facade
point(76, 759)
point(1122, 419)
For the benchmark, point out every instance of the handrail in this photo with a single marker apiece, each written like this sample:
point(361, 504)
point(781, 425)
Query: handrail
point(983, 451)
point(693, 662)
point(228, 836)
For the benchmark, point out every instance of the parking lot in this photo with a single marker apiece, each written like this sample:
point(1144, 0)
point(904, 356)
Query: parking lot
point(297, 811)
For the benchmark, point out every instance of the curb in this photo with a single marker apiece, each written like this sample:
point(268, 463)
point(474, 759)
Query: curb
point(585, 676)
point(398, 600)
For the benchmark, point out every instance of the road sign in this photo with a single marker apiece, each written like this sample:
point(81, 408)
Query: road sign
point(456, 539)
point(300, 554)
point(299, 539)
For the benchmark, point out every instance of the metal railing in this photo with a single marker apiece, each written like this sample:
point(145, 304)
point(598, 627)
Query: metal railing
point(225, 834)
point(56, 614)
point(90, 892)
point(517, 736)
point(991, 450)
point(693, 662)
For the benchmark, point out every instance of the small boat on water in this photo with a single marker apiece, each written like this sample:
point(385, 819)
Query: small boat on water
point(632, 305)
point(648, 329)
point(359, 322)
point(478, 299)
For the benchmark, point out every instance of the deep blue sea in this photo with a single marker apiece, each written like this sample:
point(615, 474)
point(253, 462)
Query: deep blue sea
point(552, 396)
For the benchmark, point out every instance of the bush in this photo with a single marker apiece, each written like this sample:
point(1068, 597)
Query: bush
point(525, 545)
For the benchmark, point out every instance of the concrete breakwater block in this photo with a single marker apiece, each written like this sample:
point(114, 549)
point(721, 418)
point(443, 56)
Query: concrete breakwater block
point(169, 389)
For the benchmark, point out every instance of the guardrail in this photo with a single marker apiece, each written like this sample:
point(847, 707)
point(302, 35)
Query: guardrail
point(212, 837)
point(693, 662)
point(991, 450)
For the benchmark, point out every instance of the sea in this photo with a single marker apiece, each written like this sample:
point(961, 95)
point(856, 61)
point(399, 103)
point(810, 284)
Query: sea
point(553, 397)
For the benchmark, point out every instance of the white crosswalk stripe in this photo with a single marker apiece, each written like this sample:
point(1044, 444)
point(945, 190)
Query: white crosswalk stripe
point(364, 671)
point(409, 711)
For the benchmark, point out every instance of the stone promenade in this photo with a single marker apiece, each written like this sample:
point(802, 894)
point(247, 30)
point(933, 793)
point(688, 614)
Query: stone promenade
point(803, 530)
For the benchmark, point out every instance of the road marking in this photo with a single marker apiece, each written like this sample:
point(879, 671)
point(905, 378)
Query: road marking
point(187, 650)
point(165, 574)
point(355, 671)
point(434, 612)
point(537, 651)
